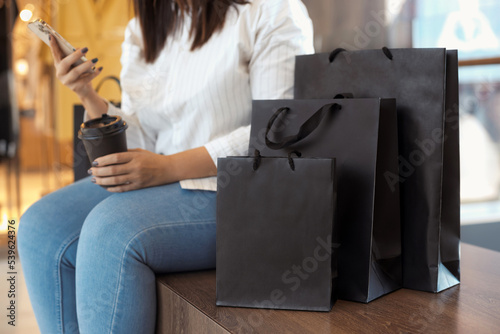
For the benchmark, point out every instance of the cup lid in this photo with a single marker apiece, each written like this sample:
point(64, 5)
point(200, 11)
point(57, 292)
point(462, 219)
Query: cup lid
point(105, 125)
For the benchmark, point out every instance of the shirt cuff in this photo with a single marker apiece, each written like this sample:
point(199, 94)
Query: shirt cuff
point(233, 144)
point(206, 183)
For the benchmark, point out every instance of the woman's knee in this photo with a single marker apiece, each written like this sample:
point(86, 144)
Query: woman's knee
point(32, 228)
point(42, 240)
point(106, 230)
point(58, 216)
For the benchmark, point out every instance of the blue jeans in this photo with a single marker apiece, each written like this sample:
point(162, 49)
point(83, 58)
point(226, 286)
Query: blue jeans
point(90, 257)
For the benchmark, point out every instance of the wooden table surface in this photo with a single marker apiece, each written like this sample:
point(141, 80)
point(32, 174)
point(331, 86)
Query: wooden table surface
point(471, 307)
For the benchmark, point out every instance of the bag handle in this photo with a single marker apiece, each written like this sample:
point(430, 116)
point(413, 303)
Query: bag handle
point(257, 159)
point(109, 77)
point(335, 53)
point(305, 129)
point(344, 96)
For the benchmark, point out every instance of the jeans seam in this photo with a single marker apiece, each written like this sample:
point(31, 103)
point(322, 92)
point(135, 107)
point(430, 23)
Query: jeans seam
point(58, 296)
point(125, 251)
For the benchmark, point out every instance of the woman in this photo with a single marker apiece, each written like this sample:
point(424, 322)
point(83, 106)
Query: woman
point(90, 254)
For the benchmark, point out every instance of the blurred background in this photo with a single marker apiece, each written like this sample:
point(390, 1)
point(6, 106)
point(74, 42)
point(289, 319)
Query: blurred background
point(36, 111)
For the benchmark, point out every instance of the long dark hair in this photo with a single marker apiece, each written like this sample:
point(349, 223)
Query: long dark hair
point(160, 19)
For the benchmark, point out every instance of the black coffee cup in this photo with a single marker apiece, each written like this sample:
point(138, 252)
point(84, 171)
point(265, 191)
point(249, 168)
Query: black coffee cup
point(103, 136)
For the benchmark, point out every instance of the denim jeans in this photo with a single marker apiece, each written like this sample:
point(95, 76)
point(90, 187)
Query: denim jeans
point(90, 257)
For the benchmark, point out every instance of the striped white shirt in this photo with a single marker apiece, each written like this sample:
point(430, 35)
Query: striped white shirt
point(190, 99)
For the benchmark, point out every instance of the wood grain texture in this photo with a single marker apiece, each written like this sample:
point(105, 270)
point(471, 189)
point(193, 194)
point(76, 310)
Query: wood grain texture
point(482, 61)
point(471, 307)
point(176, 315)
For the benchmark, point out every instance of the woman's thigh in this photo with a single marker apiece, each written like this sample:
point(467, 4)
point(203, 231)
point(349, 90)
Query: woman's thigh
point(47, 242)
point(167, 227)
point(128, 238)
point(57, 218)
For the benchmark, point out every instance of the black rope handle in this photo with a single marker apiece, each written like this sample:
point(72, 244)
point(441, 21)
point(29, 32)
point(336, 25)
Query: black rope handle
point(109, 77)
point(344, 96)
point(257, 158)
point(387, 52)
point(336, 52)
point(290, 160)
point(305, 129)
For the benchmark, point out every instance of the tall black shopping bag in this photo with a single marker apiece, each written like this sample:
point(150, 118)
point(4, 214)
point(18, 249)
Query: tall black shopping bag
point(362, 135)
point(275, 221)
point(425, 85)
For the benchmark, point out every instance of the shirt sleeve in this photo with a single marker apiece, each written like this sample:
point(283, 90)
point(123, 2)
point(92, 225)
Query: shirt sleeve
point(282, 31)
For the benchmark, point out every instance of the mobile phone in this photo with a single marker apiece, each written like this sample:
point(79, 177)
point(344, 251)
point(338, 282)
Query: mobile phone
point(43, 31)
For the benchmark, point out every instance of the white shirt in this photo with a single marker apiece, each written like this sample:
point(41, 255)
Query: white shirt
point(187, 99)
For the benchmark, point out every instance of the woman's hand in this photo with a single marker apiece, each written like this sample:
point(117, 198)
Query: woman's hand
point(135, 169)
point(78, 78)
point(138, 168)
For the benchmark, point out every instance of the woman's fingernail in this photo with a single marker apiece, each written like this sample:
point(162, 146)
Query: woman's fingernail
point(100, 69)
point(94, 180)
point(89, 171)
point(95, 163)
point(95, 60)
point(85, 50)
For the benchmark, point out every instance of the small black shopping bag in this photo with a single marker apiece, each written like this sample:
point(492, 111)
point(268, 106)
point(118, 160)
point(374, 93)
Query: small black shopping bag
point(275, 223)
point(362, 136)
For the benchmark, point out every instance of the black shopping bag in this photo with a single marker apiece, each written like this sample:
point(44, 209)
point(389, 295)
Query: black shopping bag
point(275, 220)
point(362, 135)
point(81, 163)
point(425, 85)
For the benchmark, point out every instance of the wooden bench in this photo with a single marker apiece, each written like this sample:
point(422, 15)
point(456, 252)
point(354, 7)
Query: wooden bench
point(186, 304)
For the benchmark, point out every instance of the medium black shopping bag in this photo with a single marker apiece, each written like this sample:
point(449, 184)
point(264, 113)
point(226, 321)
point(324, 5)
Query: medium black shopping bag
point(275, 221)
point(362, 135)
point(425, 85)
